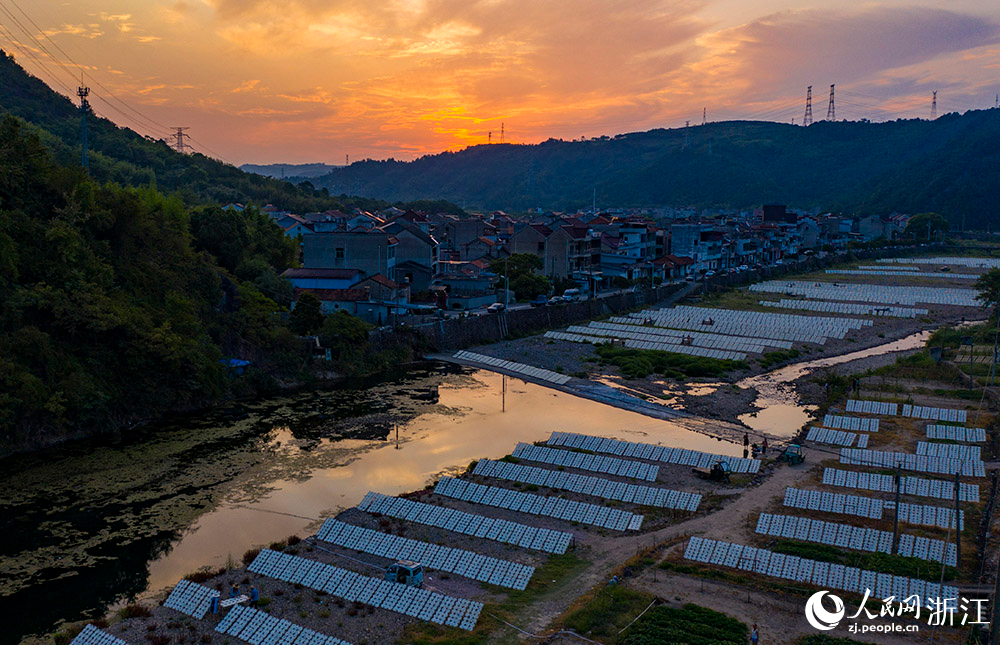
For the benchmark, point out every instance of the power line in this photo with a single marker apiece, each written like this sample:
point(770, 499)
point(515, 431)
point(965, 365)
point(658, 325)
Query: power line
point(26, 50)
point(82, 69)
point(53, 76)
point(141, 120)
point(206, 148)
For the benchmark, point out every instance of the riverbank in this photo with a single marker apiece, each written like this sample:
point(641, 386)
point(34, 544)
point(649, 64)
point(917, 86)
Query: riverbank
point(730, 401)
point(94, 522)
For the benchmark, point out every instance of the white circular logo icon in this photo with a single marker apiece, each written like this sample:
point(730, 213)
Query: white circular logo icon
point(818, 616)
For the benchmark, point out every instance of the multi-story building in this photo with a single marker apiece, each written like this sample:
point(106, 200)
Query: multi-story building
point(370, 252)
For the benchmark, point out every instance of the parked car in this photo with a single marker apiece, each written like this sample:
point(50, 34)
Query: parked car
point(496, 308)
point(556, 300)
point(539, 301)
point(709, 274)
point(689, 278)
point(572, 295)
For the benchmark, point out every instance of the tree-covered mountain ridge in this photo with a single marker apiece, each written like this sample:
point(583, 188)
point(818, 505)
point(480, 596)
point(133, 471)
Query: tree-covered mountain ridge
point(950, 165)
point(125, 292)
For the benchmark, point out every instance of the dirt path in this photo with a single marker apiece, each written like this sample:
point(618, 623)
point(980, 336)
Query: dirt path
point(780, 616)
point(607, 554)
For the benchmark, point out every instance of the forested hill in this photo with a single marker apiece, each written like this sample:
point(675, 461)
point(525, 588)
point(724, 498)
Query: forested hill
point(119, 303)
point(951, 165)
point(122, 156)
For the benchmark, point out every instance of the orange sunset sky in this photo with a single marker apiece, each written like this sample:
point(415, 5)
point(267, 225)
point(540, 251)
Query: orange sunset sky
point(315, 80)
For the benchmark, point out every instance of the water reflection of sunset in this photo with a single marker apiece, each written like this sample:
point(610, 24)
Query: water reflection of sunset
point(429, 445)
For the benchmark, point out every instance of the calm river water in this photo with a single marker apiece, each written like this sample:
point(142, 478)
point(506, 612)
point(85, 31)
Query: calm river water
point(90, 524)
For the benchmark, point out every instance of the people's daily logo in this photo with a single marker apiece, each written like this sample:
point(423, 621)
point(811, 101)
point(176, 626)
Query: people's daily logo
point(817, 614)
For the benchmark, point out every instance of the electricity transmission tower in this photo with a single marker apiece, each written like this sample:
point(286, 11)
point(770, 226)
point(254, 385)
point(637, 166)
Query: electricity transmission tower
point(83, 92)
point(808, 118)
point(933, 105)
point(831, 110)
point(179, 144)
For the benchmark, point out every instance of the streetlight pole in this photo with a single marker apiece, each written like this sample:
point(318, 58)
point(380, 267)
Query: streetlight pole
point(506, 292)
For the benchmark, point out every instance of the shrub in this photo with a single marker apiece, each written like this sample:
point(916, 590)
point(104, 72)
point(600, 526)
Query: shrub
point(250, 555)
point(134, 610)
point(204, 574)
point(640, 363)
point(688, 624)
point(895, 564)
point(608, 612)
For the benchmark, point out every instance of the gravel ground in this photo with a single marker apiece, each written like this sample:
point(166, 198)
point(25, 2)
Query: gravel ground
point(718, 398)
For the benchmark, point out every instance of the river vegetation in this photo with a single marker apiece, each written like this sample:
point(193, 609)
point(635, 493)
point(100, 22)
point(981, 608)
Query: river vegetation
point(640, 363)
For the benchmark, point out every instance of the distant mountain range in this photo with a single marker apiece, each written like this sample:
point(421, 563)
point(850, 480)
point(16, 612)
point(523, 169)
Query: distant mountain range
point(950, 165)
point(285, 170)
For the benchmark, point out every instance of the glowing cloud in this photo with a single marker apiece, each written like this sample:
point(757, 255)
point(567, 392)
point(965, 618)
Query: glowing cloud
point(311, 80)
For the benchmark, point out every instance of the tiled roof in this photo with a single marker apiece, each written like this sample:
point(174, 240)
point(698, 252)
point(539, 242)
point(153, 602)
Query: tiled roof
point(344, 274)
point(335, 295)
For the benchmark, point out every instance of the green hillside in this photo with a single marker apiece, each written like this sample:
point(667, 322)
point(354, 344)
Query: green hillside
point(951, 165)
point(125, 292)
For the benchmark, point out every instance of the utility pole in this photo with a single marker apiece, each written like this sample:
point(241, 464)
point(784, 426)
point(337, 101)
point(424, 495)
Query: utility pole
point(83, 92)
point(179, 135)
point(972, 354)
point(704, 115)
point(996, 339)
point(895, 519)
point(808, 118)
point(994, 632)
point(933, 105)
point(831, 110)
point(506, 292)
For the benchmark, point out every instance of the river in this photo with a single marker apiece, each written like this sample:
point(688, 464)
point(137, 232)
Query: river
point(780, 411)
point(92, 523)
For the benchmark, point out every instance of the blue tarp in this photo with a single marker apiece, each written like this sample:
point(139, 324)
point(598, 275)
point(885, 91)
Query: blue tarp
point(235, 365)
